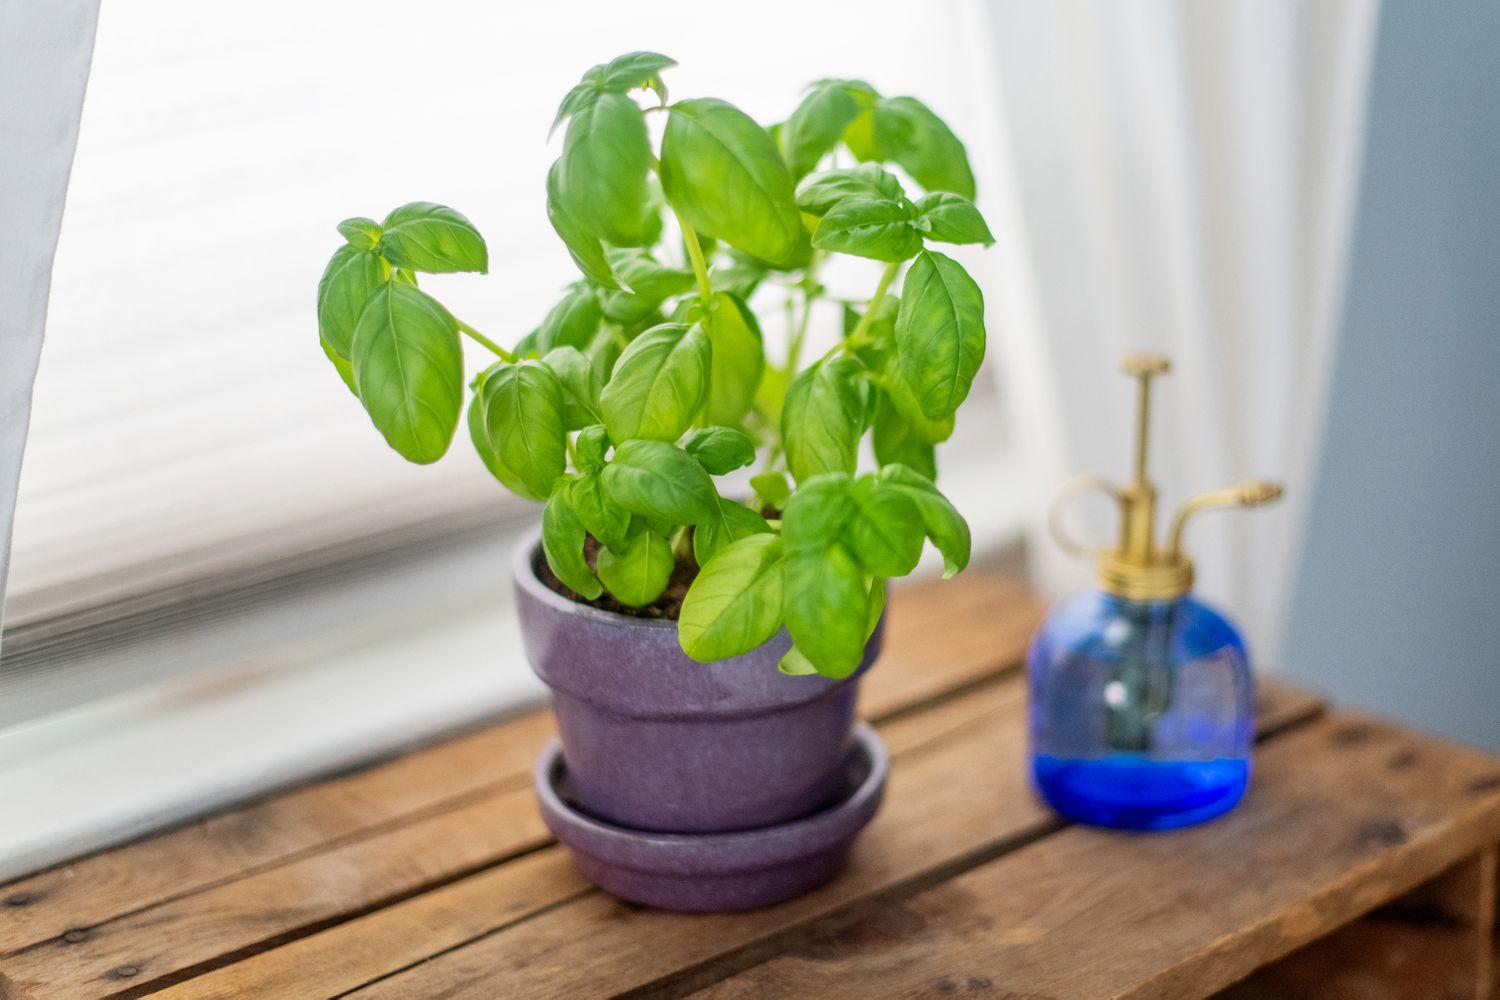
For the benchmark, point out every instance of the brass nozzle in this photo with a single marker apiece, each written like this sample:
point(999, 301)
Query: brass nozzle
point(1139, 569)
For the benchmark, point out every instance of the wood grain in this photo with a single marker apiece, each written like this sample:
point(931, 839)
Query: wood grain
point(1433, 943)
point(179, 903)
point(379, 943)
point(958, 797)
point(237, 916)
point(333, 961)
point(279, 829)
point(271, 831)
point(1346, 813)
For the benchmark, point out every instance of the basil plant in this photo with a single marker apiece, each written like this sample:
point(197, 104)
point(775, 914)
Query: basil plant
point(650, 378)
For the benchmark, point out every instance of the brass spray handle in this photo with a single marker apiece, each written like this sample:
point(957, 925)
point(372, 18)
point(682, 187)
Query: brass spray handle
point(1071, 490)
point(1138, 568)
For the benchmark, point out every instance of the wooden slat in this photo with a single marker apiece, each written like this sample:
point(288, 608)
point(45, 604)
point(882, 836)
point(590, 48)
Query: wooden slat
point(1371, 959)
point(277, 830)
point(258, 909)
point(271, 831)
point(215, 921)
point(946, 636)
point(361, 950)
point(1346, 813)
point(1433, 942)
point(955, 800)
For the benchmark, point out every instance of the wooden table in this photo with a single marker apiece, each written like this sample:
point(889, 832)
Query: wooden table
point(1363, 864)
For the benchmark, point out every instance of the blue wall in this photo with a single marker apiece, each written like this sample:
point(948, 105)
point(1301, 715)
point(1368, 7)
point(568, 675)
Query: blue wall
point(1398, 599)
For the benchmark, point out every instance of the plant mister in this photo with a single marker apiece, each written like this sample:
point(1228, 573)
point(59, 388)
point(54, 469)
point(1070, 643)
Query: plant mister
point(1141, 695)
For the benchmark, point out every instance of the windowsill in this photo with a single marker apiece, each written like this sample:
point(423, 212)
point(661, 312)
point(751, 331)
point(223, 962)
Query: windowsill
point(117, 768)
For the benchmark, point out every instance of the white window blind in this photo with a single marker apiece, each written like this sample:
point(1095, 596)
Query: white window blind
point(185, 422)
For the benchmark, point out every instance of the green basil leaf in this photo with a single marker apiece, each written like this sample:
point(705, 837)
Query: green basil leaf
point(620, 75)
point(606, 154)
point(796, 664)
point(940, 519)
point(908, 133)
point(772, 489)
point(651, 221)
point(636, 70)
point(349, 281)
point(815, 127)
point(881, 332)
point(340, 364)
point(605, 521)
point(904, 401)
point(422, 236)
point(882, 529)
point(483, 446)
point(581, 386)
point(939, 333)
point(656, 525)
point(563, 535)
point(822, 418)
point(409, 370)
point(952, 219)
point(737, 360)
point(604, 350)
point(630, 331)
point(770, 398)
point(825, 608)
point(658, 384)
point(590, 447)
point(720, 450)
point(860, 137)
point(526, 346)
point(523, 415)
point(735, 521)
point(723, 175)
point(573, 322)
point(895, 441)
point(574, 102)
point(813, 517)
point(650, 283)
point(735, 604)
point(869, 227)
point(362, 233)
point(637, 573)
point(657, 479)
point(820, 192)
point(875, 606)
point(583, 245)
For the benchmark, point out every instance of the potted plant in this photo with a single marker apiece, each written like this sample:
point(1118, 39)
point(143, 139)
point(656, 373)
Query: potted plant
point(702, 640)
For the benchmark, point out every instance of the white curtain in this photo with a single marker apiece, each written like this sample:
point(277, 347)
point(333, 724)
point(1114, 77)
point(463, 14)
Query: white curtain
point(1181, 178)
point(44, 64)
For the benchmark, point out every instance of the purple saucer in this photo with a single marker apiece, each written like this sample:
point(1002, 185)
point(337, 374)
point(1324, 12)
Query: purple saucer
point(710, 872)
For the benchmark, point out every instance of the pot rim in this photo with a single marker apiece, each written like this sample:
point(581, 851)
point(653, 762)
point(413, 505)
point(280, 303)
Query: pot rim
point(526, 576)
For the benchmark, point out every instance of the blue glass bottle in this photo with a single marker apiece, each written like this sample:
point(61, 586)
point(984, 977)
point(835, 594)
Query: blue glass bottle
point(1141, 696)
point(1140, 712)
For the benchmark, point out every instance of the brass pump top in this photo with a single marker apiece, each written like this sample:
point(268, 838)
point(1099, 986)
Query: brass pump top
point(1139, 569)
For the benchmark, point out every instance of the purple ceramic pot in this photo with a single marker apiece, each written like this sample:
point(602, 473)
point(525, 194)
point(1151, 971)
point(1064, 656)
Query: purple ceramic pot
point(657, 741)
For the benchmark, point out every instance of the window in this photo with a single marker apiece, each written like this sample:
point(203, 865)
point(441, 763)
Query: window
point(197, 480)
point(185, 425)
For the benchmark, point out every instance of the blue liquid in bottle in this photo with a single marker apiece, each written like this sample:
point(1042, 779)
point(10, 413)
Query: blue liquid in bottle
point(1140, 712)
